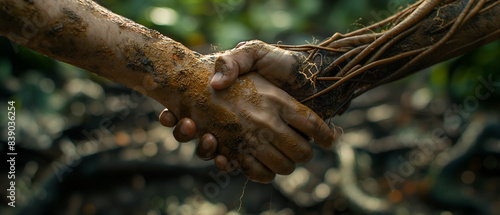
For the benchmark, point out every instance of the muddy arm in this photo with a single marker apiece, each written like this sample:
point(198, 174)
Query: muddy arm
point(250, 120)
point(85, 34)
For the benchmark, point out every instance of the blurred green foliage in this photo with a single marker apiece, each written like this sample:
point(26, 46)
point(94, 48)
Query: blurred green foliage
point(460, 77)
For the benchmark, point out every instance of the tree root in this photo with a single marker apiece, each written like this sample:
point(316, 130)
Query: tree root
point(347, 65)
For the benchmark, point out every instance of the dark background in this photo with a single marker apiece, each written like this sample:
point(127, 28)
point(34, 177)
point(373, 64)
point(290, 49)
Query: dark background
point(428, 144)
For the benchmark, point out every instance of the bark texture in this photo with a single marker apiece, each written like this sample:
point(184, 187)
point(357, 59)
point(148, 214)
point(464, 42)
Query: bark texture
point(429, 39)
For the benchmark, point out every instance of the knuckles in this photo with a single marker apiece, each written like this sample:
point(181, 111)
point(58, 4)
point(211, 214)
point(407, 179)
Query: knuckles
point(255, 43)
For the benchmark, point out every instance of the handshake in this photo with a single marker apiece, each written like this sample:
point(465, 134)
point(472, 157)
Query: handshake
point(255, 108)
point(255, 126)
point(238, 102)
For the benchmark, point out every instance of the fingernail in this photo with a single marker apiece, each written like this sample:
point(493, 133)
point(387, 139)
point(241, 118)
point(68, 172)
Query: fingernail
point(217, 77)
point(205, 145)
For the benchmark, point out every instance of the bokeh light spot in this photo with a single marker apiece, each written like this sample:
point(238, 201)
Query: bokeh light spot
point(322, 191)
point(47, 85)
point(77, 108)
point(468, 177)
point(395, 196)
point(163, 16)
point(150, 149)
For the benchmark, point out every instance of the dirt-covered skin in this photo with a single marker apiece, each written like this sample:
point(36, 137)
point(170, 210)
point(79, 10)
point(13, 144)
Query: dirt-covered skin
point(250, 120)
point(287, 69)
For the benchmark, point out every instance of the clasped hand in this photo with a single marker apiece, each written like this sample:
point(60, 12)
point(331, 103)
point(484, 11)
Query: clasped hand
point(277, 133)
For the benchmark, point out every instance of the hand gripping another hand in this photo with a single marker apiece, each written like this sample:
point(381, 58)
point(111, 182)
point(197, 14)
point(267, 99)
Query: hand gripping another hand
point(279, 139)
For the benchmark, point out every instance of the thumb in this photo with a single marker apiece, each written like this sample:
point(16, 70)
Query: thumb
point(238, 61)
point(226, 72)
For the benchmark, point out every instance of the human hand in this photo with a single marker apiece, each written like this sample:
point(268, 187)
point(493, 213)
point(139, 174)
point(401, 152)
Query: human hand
point(269, 144)
point(282, 156)
point(186, 130)
point(281, 67)
point(278, 66)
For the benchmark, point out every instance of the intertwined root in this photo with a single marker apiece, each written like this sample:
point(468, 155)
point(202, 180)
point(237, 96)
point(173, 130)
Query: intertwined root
point(354, 63)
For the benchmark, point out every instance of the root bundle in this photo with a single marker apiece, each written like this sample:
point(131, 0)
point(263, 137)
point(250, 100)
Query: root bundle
point(425, 33)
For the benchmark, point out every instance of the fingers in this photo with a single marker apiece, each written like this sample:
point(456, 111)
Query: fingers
point(274, 131)
point(308, 122)
point(185, 130)
point(207, 148)
point(167, 118)
point(251, 167)
point(274, 160)
point(293, 145)
point(223, 164)
point(260, 164)
point(255, 170)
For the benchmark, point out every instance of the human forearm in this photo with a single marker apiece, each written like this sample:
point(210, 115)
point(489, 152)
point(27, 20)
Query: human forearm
point(84, 34)
point(251, 120)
